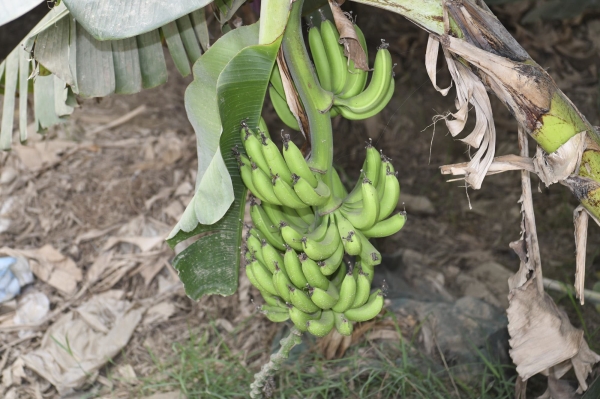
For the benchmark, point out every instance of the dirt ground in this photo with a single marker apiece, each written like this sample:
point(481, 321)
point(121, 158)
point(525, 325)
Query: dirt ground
point(104, 198)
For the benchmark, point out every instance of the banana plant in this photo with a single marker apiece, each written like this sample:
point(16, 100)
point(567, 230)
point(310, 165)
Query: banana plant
point(95, 48)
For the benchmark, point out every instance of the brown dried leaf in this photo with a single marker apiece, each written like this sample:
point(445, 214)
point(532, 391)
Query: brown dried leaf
point(145, 244)
point(541, 334)
point(291, 95)
point(334, 345)
point(563, 162)
point(348, 38)
point(580, 219)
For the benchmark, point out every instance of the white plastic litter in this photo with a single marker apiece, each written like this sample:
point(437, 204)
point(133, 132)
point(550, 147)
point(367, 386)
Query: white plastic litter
point(14, 274)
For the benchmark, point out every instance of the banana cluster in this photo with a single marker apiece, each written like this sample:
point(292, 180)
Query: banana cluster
point(337, 74)
point(295, 250)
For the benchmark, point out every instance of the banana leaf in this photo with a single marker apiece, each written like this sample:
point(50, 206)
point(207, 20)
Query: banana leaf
point(11, 9)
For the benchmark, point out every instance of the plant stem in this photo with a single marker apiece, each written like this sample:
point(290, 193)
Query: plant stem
point(315, 100)
point(267, 370)
point(273, 18)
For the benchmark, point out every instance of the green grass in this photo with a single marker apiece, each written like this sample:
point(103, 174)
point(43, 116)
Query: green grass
point(205, 366)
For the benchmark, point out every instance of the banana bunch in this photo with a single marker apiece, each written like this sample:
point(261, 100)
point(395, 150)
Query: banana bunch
point(353, 99)
point(295, 249)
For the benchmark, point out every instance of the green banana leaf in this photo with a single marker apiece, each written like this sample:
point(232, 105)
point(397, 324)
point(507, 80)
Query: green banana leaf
point(11, 9)
point(120, 19)
point(232, 78)
point(82, 65)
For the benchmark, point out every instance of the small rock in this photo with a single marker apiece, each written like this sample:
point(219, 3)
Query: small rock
point(417, 204)
point(471, 287)
point(8, 175)
point(495, 277)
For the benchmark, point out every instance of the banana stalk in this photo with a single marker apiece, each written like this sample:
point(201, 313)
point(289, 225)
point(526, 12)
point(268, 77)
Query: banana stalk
point(315, 100)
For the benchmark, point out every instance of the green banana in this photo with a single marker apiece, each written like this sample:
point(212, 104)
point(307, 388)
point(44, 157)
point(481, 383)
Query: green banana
point(322, 326)
point(386, 165)
point(286, 194)
point(357, 78)
point(370, 98)
point(292, 236)
point(282, 282)
point(252, 278)
point(254, 247)
point(347, 294)
point(276, 81)
point(337, 187)
point(275, 313)
point(296, 162)
point(302, 301)
point(369, 255)
point(357, 116)
point(372, 163)
point(262, 222)
point(320, 250)
point(273, 300)
point(275, 159)
point(262, 127)
point(300, 318)
point(330, 265)
point(263, 277)
point(369, 270)
point(263, 186)
point(339, 276)
point(389, 202)
point(342, 325)
point(246, 173)
point(293, 267)
point(282, 109)
point(325, 299)
point(363, 288)
point(293, 216)
point(306, 214)
point(253, 148)
point(335, 56)
point(366, 216)
point(319, 228)
point(271, 256)
point(369, 310)
point(316, 196)
point(312, 272)
point(387, 227)
point(319, 55)
point(278, 214)
point(352, 244)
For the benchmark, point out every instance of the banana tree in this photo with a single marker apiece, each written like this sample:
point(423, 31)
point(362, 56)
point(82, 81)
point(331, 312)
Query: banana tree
point(95, 48)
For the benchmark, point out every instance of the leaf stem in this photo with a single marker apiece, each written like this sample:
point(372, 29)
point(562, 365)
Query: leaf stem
point(267, 370)
point(315, 100)
point(273, 18)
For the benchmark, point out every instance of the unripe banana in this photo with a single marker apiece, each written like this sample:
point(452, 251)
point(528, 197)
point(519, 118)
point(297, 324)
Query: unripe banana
point(372, 167)
point(302, 301)
point(262, 127)
point(275, 160)
point(325, 299)
point(343, 325)
point(275, 313)
point(371, 97)
point(319, 228)
point(385, 166)
point(357, 78)
point(273, 300)
point(276, 81)
point(363, 288)
point(320, 250)
point(283, 110)
point(262, 222)
point(369, 255)
point(335, 56)
point(311, 196)
point(347, 294)
point(357, 116)
point(271, 256)
point(254, 247)
point(296, 162)
point(300, 318)
point(246, 174)
point(312, 272)
point(293, 267)
point(369, 270)
point(391, 196)
point(387, 227)
point(366, 216)
point(317, 50)
point(339, 276)
point(323, 325)
point(330, 265)
point(253, 148)
point(286, 194)
point(263, 186)
point(306, 214)
point(369, 310)
point(293, 216)
point(278, 214)
point(351, 243)
point(282, 282)
point(252, 278)
point(292, 236)
point(337, 187)
point(263, 277)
